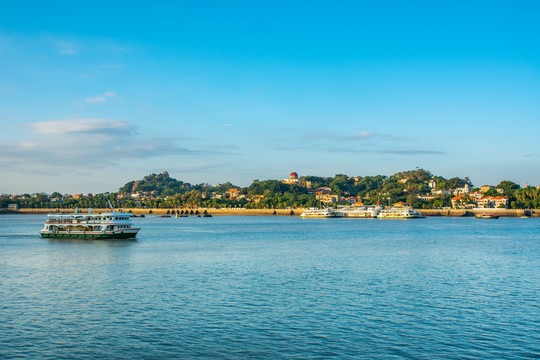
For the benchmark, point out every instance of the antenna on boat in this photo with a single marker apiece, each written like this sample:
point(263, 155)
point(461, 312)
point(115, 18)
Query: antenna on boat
point(112, 208)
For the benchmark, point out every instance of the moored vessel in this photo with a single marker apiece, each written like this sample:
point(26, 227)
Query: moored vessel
point(399, 213)
point(360, 212)
point(486, 216)
point(111, 225)
point(320, 213)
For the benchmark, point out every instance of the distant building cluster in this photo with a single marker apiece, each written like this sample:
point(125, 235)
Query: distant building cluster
point(477, 199)
point(295, 180)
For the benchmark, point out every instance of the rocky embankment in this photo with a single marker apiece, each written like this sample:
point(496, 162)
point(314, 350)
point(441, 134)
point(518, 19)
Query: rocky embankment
point(247, 212)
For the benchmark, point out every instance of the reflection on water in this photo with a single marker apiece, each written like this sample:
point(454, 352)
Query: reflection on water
point(273, 287)
point(94, 242)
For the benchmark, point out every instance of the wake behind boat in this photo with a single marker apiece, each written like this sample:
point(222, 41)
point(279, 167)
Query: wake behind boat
point(112, 225)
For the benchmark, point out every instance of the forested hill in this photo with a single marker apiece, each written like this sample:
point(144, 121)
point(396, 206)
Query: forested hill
point(160, 184)
point(402, 186)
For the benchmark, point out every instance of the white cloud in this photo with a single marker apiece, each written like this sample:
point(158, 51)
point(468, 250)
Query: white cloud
point(62, 127)
point(361, 135)
point(67, 48)
point(84, 144)
point(100, 98)
point(96, 99)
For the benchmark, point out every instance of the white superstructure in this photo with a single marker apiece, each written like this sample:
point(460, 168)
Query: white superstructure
point(360, 212)
point(320, 213)
point(399, 213)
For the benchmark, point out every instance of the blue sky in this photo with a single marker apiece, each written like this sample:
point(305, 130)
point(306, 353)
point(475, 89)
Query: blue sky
point(97, 94)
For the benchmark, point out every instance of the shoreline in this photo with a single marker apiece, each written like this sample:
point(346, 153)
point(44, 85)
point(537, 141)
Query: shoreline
point(282, 212)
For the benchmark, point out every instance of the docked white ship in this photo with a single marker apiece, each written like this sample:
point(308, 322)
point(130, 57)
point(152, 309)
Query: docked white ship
point(360, 212)
point(111, 225)
point(320, 213)
point(399, 213)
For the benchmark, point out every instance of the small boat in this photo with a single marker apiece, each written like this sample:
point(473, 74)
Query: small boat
point(486, 216)
point(315, 213)
point(399, 213)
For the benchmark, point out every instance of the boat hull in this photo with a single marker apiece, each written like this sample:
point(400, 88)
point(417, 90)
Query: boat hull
point(487, 217)
point(89, 236)
point(359, 215)
point(317, 216)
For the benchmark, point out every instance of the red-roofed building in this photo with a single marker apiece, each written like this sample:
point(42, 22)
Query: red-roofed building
point(500, 201)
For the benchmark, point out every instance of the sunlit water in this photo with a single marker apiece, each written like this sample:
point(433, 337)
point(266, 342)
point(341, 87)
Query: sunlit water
point(274, 288)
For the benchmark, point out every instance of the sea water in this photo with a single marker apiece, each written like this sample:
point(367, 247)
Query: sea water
point(236, 287)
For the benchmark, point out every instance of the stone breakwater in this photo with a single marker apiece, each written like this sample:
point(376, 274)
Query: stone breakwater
point(192, 212)
point(286, 212)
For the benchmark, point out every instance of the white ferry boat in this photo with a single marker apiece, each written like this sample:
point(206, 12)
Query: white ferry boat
point(360, 212)
point(111, 225)
point(399, 213)
point(320, 213)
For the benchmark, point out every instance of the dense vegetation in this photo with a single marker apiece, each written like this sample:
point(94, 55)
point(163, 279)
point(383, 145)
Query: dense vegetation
point(162, 191)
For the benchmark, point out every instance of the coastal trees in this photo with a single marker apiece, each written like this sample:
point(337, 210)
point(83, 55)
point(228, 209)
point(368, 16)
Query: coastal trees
point(527, 198)
point(341, 184)
point(161, 190)
point(451, 183)
point(508, 187)
point(317, 181)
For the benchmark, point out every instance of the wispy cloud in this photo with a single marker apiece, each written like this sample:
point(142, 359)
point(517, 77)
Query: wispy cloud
point(62, 127)
point(405, 151)
point(361, 135)
point(319, 135)
point(85, 143)
point(100, 98)
point(357, 143)
point(412, 152)
point(67, 48)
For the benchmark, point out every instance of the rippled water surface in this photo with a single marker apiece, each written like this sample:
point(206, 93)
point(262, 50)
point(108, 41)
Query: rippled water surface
point(274, 288)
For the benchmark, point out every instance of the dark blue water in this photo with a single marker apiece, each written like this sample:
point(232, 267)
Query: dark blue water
point(274, 288)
